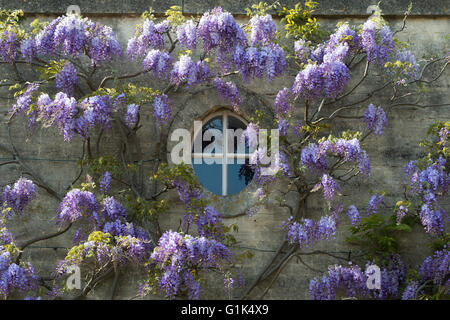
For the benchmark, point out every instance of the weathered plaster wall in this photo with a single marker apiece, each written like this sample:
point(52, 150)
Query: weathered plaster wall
point(55, 160)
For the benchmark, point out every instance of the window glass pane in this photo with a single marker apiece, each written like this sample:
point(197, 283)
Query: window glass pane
point(215, 126)
point(234, 138)
point(239, 175)
point(210, 175)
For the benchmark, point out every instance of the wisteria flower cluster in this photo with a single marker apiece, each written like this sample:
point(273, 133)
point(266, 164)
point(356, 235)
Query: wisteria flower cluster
point(18, 196)
point(308, 231)
point(434, 269)
point(65, 113)
point(376, 119)
point(67, 79)
point(8, 46)
point(428, 184)
point(352, 282)
point(74, 36)
point(148, 35)
point(104, 248)
point(377, 41)
point(179, 257)
point(15, 278)
point(314, 156)
point(228, 91)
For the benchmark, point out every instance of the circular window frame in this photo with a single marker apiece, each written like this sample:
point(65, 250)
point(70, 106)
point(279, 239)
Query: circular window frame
point(224, 112)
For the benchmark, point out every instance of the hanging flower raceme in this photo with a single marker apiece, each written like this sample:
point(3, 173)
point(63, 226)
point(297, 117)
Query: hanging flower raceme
point(263, 30)
point(330, 187)
point(8, 46)
point(228, 91)
point(351, 282)
point(74, 36)
point(377, 42)
point(427, 184)
point(344, 35)
point(315, 155)
point(67, 79)
point(19, 195)
point(16, 278)
point(161, 109)
point(160, 62)
point(218, 28)
point(131, 114)
point(181, 256)
point(148, 35)
point(281, 105)
point(256, 62)
point(374, 204)
point(376, 119)
point(187, 35)
point(308, 232)
point(105, 181)
point(102, 44)
point(28, 49)
point(77, 204)
point(25, 99)
point(353, 215)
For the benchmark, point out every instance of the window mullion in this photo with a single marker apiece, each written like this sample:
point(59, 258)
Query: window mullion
point(224, 153)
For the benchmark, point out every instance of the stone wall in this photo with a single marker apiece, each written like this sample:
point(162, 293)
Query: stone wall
point(55, 160)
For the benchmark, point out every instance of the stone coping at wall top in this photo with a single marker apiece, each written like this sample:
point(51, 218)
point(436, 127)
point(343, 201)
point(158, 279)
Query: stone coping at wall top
point(133, 7)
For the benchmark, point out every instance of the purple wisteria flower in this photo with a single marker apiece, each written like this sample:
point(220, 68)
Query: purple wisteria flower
point(330, 187)
point(159, 62)
point(146, 36)
point(74, 36)
point(281, 104)
point(161, 109)
point(113, 210)
point(228, 91)
point(131, 114)
point(263, 29)
point(411, 67)
point(16, 278)
point(410, 291)
point(436, 267)
point(376, 119)
point(401, 213)
point(433, 219)
point(302, 50)
point(8, 46)
point(283, 126)
point(374, 204)
point(352, 282)
point(184, 70)
point(376, 49)
point(218, 28)
point(67, 79)
point(187, 35)
point(353, 215)
point(256, 62)
point(24, 100)
point(308, 232)
point(105, 182)
point(28, 49)
point(19, 195)
point(308, 82)
point(177, 256)
point(76, 204)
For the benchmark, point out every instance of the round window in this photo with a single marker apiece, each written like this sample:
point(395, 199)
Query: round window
point(219, 158)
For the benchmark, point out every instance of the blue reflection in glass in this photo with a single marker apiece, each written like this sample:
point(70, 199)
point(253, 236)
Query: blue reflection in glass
point(239, 175)
point(210, 175)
